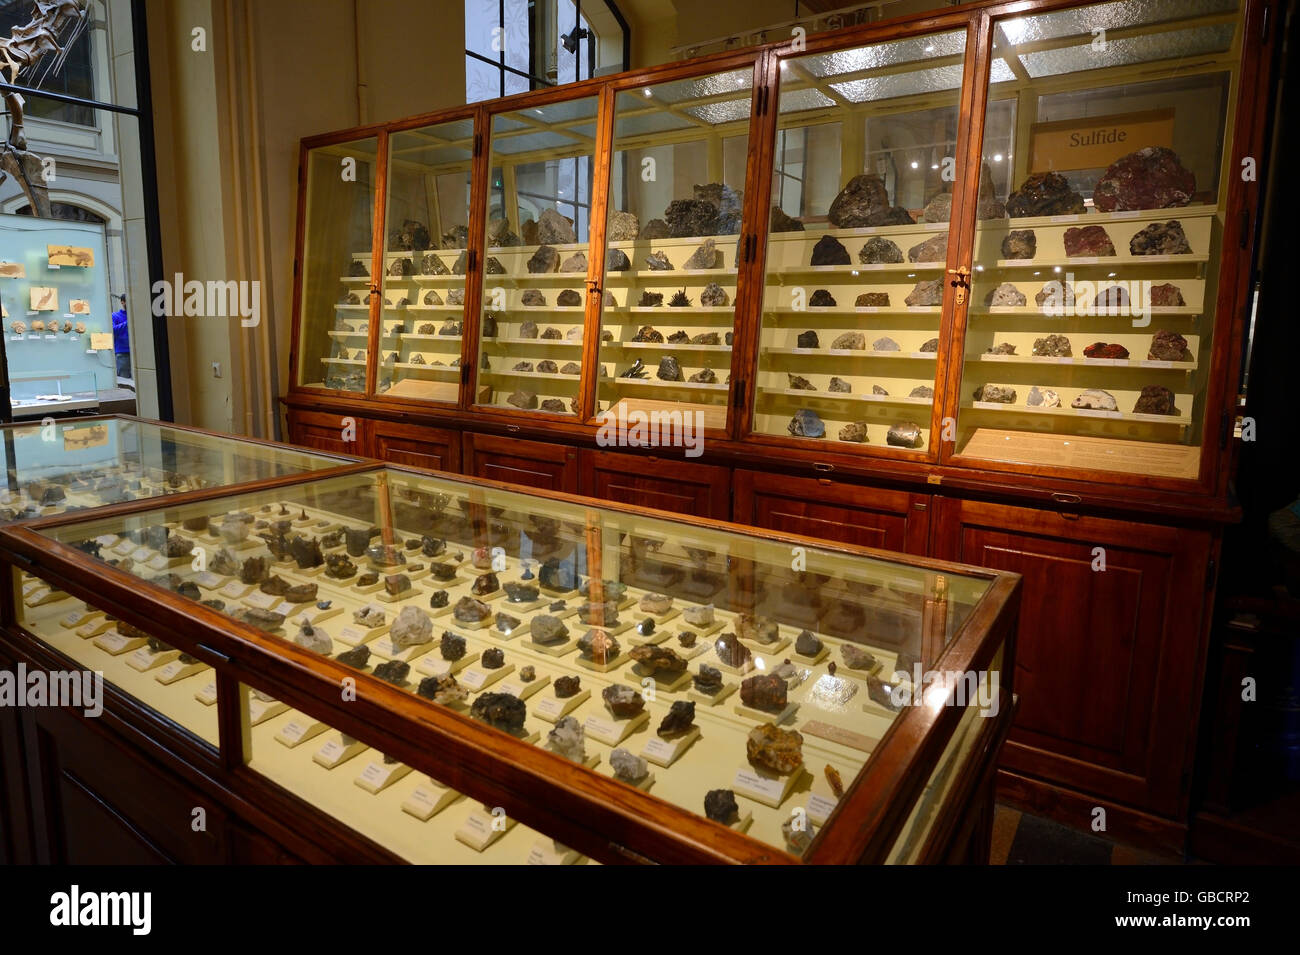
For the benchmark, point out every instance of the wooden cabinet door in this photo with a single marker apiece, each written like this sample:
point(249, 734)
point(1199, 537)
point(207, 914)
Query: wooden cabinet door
point(417, 446)
point(531, 464)
point(668, 484)
point(1109, 662)
point(330, 432)
point(834, 510)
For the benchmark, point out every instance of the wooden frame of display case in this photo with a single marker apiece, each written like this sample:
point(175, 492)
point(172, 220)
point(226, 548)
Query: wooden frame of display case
point(1200, 498)
point(588, 812)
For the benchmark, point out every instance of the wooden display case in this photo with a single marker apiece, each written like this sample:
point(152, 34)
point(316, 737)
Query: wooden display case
point(386, 772)
point(977, 98)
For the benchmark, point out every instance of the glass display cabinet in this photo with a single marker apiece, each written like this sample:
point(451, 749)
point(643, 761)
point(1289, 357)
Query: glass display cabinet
point(533, 678)
point(677, 173)
point(62, 466)
point(334, 303)
point(863, 173)
point(35, 395)
point(1092, 314)
point(425, 260)
point(535, 269)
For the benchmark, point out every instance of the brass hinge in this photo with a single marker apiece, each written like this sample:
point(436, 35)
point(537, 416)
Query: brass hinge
point(961, 282)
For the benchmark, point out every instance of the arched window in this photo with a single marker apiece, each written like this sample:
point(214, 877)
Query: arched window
point(67, 211)
point(75, 79)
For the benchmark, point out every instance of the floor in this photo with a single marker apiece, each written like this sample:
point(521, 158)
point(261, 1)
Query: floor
point(1022, 839)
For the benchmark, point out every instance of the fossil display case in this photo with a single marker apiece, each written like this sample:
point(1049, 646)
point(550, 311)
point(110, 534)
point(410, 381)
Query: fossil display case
point(534, 678)
point(60, 466)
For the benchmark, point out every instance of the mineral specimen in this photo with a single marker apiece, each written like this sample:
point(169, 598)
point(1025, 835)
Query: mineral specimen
point(656, 603)
point(1111, 299)
point(571, 368)
point(655, 229)
point(713, 296)
point(504, 711)
point(658, 658)
point(850, 341)
point(720, 806)
point(452, 646)
point(679, 718)
point(267, 620)
point(933, 249)
point(1166, 295)
point(567, 686)
point(1052, 346)
point(568, 739)
point(707, 256)
point(493, 658)
point(872, 300)
point(798, 835)
point(772, 748)
point(780, 222)
point(926, 292)
point(524, 400)
point(758, 629)
point(1159, 238)
point(1089, 240)
point(369, 616)
point(442, 572)
point(568, 298)
point(704, 376)
point(1019, 244)
point(553, 228)
point(855, 658)
point(528, 329)
point(622, 701)
point(357, 539)
point(701, 616)
point(357, 658)
point(830, 251)
point(1004, 348)
point(1150, 178)
point(233, 529)
point(806, 424)
point(412, 628)
point(442, 689)
point(807, 644)
point(1042, 398)
point(545, 259)
point(1044, 194)
point(864, 201)
point(393, 671)
point(438, 599)
point(763, 692)
point(1095, 399)
point(885, 344)
point(669, 369)
point(521, 593)
point(687, 639)
point(800, 383)
point(691, 217)
point(650, 299)
point(658, 262)
point(469, 610)
point(821, 299)
point(731, 651)
point(547, 629)
point(485, 584)
point(879, 250)
point(706, 338)
point(855, 431)
point(808, 339)
point(1169, 346)
point(598, 647)
point(1005, 294)
point(555, 575)
point(506, 623)
point(880, 693)
point(622, 226)
point(905, 434)
point(628, 767)
point(1104, 350)
point(575, 263)
point(840, 385)
point(995, 393)
point(1155, 399)
point(396, 584)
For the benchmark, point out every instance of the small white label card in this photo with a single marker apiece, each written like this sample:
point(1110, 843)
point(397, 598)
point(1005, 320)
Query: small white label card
point(235, 590)
point(769, 790)
point(664, 752)
point(37, 596)
point(820, 808)
point(379, 775)
point(141, 555)
point(550, 852)
point(355, 634)
point(613, 732)
point(551, 708)
point(145, 659)
point(76, 618)
point(476, 679)
point(157, 562)
point(117, 644)
point(259, 711)
point(428, 799)
point(177, 670)
point(523, 690)
point(208, 695)
point(210, 581)
point(94, 627)
point(337, 751)
point(299, 729)
point(480, 828)
point(262, 601)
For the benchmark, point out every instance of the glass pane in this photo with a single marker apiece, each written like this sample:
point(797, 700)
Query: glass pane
point(1088, 337)
point(425, 260)
point(674, 658)
point(676, 190)
point(336, 285)
point(535, 266)
point(861, 197)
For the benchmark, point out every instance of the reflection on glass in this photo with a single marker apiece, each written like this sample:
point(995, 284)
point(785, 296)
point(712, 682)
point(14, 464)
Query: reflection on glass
point(674, 658)
point(676, 187)
point(535, 265)
point(425, 261)
point(336, 285)
point(1088, 339)
point(862, 184)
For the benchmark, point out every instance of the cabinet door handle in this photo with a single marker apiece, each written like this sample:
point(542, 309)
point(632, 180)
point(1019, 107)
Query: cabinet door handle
point(822, 466)
point(1063, 497)
point(512, 427)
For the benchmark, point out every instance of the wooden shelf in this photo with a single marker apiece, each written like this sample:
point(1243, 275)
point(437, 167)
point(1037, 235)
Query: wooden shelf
point(1090, 362)
point(657, 383)
point(846, 396)
point(853, 353)
point(1068, 412)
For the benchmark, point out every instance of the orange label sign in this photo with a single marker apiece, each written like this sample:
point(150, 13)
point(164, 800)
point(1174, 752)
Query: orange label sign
point(1094, 142)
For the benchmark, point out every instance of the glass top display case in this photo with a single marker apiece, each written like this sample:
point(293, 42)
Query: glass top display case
point(1092, 313)
point(425, 260)
point(863, 175)
point(535, 269)
point(676, 193)
point(336, 285)
point(62, 466)
point(533, 673)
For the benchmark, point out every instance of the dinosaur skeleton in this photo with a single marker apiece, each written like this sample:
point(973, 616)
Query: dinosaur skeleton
point(35, 51)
